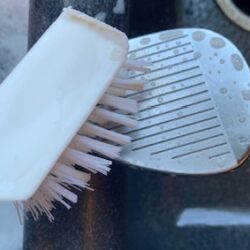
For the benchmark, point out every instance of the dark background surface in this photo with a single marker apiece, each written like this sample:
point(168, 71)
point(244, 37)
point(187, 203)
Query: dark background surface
point(135, 209)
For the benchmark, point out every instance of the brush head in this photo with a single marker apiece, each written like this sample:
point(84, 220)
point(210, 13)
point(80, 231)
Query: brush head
point(194, 114)
point(49, 96)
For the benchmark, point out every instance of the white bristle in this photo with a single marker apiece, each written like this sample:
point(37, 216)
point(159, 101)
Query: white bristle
point(103, 148)
point(116, 91)
point(94, 130)
point(69, 171)
point(123, 73)
point(62, 190)
point(42, 202)
point(103, 115)
point(84, 148)
point(64, 179)
point(137, 65)
point(70, 176)
point(129, 84)
point(87, 161)
point(71, 161)
point(125, 104)
point(50, 195)
point(19, 210)
point(101, 120)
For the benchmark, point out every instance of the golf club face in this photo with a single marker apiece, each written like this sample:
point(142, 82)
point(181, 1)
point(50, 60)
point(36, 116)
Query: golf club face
point(194, 114)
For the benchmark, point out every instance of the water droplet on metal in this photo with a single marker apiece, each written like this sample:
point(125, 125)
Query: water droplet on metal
point(221, 161)
point(179, 161)
point(168, 35)
point(223, 91)
point(222, 61)
point(246, 95)
point(179, 113)
point(160, 99)
point(237, 62)
point(197, 55)
point(198, 36)
point(242, 119)
point(217, 43)
point(133, 55)
point(145, 40)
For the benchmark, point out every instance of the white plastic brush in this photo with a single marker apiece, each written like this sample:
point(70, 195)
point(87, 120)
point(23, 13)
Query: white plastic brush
point(49, 119)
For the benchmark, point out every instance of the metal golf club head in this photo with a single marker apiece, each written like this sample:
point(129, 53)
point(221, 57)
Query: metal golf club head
point(194, 114)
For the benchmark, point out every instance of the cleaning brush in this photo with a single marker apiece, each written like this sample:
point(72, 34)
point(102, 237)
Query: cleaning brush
point(53, 107)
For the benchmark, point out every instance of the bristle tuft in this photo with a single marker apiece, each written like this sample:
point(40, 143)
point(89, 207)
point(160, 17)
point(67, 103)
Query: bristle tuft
point(137, 65)
point(129, 84)
point(65, 179)
point(103, 115)
point(116, 91)
point(125, 104)
point(97, 131)
point(103, 148)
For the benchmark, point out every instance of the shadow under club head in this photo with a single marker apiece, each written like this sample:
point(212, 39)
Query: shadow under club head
point(194, 114)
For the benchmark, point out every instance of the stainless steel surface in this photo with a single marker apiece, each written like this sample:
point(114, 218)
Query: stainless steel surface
point(147, 210)
point(195, 107)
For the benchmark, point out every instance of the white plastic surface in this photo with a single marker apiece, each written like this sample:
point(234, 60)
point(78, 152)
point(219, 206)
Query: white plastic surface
point(50, 94)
